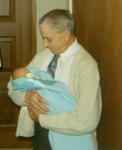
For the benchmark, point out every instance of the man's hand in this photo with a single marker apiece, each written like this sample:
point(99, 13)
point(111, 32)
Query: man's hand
point(36, 104)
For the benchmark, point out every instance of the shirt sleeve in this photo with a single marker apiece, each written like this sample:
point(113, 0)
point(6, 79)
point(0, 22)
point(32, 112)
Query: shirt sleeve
point(86, 116)
point(16, 96)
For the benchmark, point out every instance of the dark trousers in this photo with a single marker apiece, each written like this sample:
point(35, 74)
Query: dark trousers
point(41, 140)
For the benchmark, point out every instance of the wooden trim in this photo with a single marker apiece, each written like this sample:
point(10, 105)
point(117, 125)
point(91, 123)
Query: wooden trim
point(34, 34)
point(11, 16)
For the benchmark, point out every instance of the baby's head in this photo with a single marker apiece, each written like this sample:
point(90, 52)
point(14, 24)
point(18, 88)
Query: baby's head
point(19, 72)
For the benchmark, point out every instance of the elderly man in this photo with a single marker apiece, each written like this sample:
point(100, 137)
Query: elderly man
point(78, 70)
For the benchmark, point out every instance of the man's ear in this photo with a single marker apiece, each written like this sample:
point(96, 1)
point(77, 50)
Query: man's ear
point(66, 34)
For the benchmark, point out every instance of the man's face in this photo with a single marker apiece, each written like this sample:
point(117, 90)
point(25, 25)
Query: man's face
point(55, 41)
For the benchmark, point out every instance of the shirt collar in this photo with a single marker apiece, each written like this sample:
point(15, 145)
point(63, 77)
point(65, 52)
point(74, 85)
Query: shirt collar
point(72, 50)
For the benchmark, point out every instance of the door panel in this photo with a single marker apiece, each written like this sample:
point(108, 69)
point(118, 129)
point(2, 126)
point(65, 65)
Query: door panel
point(17, 47)
point(99, 29)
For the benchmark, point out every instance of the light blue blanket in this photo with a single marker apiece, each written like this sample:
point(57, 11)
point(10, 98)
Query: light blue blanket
point(60, 100)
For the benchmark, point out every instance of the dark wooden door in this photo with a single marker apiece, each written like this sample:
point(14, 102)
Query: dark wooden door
point(99, 29)
point(17, 47)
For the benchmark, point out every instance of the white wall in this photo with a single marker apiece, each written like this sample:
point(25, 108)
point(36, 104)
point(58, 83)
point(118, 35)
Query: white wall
point(44, 6)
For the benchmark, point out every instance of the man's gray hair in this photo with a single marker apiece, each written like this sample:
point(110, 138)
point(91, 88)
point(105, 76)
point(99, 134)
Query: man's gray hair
point(59, 19)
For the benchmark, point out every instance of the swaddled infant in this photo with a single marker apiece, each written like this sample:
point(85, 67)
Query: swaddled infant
point(60, 101)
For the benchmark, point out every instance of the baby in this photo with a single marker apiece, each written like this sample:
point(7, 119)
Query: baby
point(60, 101)
point(24, 72)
